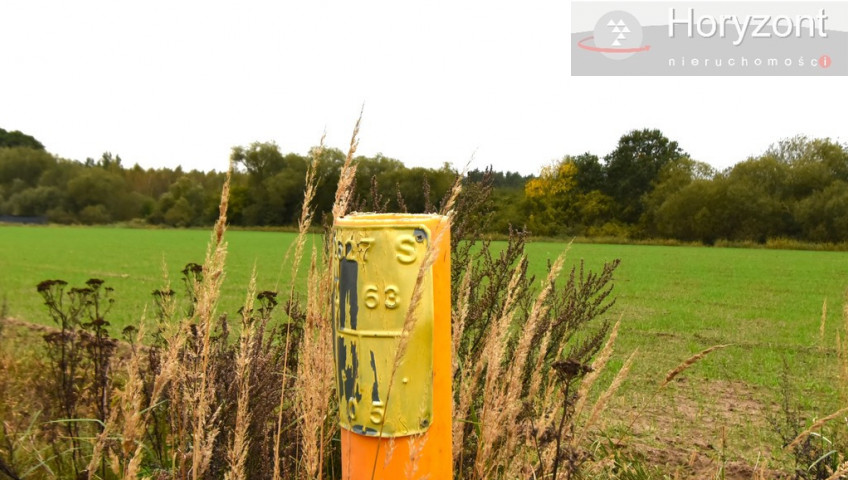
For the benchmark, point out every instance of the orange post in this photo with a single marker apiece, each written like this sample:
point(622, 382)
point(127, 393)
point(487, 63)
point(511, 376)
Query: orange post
point(394, 412)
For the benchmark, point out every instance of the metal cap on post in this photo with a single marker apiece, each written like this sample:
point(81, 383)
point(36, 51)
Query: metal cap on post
point(405, 432)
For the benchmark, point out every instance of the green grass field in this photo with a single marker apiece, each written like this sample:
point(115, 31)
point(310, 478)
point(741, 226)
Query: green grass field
point(133, 262)
point(672, 301)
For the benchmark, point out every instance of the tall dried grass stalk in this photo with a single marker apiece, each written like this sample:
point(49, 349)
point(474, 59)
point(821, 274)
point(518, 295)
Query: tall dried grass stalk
point(238, 447)
point(760, 469)
point(205, 428)
point(100, 444)
point(597, 367)
point(344, 191)
point(555, 415)
point(278, 435)
point(680, 368)
point(688, 363)
point(473, 368)
point(459, 314)
point(314, 380)
point(313, 383)
point(134, 412)
point(840, 472)
point(492, 358)
point(173, 376)
point(604, 399)
point(842, 353)
point(842, 356)
point(823, 321)
point(169, 305)
point(313, 302)
point(130, 408)
point(411, 317)
point(502, 402)
point(295, 249)
point(514, 384)
point(456, 189)
point(815, 426)
point(537, 378)
point(306, 212)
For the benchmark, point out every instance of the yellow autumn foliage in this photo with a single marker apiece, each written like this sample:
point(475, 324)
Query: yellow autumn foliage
point(553, 181)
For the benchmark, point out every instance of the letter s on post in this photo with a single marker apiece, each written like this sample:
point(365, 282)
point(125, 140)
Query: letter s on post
point(405, 247)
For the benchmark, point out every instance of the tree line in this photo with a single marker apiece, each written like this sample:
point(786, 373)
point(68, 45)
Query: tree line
point(647, 187)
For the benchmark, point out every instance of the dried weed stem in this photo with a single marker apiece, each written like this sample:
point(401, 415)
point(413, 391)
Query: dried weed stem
point(815, 426)
point(688, 363)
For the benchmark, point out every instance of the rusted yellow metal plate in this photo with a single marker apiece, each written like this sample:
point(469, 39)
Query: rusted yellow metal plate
point(376, 261)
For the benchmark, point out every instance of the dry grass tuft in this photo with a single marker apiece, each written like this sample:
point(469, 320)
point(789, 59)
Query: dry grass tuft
point(522, 351)
point(503, 390)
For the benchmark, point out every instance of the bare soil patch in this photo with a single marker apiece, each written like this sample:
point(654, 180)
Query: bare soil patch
point(695, 428)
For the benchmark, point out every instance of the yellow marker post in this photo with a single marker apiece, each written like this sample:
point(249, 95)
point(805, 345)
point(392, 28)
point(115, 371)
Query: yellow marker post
point(376, 260)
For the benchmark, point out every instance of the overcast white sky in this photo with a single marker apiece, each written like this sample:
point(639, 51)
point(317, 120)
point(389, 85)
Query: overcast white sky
point(166, 83)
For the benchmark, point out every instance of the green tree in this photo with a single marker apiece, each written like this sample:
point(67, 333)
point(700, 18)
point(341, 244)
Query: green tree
point(275, 183)
point(760, 199)
point(183, 205)
point(60, 173)
point(694, 212)
point(673, 177)
point(24, 164)
point(34, 202)
point(633, 167)
point(16, 138)
point(94, 214)
point(284, 193)
point(260, 159)
point(591, 174)
point(823, 216)
point(93, 187)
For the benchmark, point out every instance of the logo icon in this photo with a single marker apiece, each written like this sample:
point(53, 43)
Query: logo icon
point(617, 35)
